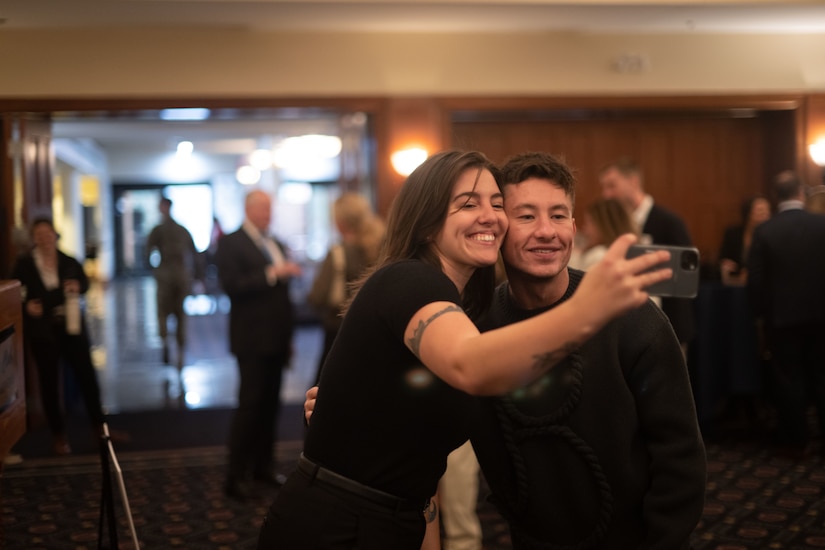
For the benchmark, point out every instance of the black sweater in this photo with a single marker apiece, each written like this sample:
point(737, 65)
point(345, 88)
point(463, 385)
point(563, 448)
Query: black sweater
point(604, 451)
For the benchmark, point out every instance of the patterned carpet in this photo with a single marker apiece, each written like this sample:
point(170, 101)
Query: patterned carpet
point(754, 501)
point(175, 497)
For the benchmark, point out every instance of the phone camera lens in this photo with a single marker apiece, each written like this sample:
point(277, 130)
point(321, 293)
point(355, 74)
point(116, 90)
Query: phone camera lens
point(690, 260)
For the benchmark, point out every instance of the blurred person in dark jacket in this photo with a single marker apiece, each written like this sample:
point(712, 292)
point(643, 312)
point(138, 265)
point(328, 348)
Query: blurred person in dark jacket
point(55, 330)
point(786, 270)
point(255, 272)
point(624, 180)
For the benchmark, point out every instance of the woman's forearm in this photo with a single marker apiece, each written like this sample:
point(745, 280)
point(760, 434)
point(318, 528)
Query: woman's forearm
point(502, 360)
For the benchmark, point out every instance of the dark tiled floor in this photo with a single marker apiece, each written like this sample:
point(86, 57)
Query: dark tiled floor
point(127, 352)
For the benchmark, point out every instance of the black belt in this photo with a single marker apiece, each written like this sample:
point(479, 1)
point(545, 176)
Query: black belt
point(319, 473)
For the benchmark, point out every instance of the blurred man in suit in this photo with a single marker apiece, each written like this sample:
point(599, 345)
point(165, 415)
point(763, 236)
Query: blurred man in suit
point(254, 271)
point(623, 180)
point(786, 282)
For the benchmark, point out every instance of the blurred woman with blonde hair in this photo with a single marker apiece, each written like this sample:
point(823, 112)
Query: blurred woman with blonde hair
point(604, 221)
point(362, 233)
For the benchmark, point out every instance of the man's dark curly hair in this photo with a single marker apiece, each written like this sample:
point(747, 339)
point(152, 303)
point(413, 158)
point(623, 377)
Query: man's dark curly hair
point(534, 164)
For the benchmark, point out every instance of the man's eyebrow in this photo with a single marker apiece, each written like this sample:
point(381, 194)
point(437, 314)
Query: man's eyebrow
point(526, 206)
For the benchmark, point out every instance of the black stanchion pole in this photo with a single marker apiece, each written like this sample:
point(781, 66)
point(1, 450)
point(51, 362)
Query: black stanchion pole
point(107, 497)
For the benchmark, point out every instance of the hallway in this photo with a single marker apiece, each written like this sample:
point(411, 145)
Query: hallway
point(127, 352)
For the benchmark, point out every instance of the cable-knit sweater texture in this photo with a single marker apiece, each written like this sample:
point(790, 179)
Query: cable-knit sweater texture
point(605, 450)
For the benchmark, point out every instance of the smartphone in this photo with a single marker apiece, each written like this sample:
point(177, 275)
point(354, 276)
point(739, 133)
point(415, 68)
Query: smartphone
point(684, 261)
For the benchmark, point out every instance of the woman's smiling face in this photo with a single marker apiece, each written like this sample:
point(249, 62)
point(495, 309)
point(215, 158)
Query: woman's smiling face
point(475, 225)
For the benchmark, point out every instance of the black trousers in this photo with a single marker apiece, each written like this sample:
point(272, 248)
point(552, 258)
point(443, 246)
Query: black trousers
point(310, 515)
point(252, 431)
point(171, 293)
point(798, 373)
point(73, 350)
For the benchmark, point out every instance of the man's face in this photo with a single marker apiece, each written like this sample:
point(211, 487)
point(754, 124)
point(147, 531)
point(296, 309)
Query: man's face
point(542, 228)
point(616, 185)
point(259, 212)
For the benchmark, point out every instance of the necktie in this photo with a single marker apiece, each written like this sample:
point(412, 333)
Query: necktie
point(265, 250)
point(271, 251)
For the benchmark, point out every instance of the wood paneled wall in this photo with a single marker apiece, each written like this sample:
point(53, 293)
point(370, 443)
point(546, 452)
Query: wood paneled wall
point(6, 200)
point(700, 165)
point(33, 153)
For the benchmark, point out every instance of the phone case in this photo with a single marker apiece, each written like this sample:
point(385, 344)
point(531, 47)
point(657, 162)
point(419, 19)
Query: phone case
point(684, 261)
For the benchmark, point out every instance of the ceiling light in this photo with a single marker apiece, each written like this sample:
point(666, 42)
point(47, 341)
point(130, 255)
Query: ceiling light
point(197, 113)
point(248, 175)
point(261, 159)
point(324, 146)
point(185, 148)
point(306, 149)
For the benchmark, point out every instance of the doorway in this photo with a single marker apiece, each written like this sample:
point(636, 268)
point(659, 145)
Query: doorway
point(136, 213)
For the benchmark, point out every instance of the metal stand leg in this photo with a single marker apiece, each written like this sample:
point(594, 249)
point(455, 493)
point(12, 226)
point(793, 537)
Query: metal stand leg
point(107, 504)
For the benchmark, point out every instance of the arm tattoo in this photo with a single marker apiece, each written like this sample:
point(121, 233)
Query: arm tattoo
point(548, 360)
point(415, 341)
point(430, 511)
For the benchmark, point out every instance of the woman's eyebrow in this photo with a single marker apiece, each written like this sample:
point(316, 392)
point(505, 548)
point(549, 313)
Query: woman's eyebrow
point(466, 194)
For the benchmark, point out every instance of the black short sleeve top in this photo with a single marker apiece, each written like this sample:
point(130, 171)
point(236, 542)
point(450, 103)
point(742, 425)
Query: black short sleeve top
point(382, 418)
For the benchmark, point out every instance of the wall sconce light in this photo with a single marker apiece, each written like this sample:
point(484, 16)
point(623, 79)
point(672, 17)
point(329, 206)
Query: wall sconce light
point(817, 151)
point(407, 160)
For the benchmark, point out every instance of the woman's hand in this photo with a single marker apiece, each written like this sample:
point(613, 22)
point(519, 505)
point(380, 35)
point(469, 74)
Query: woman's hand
point(309, 404)
point(615, 284)
point(732, 273)
point(34, 308)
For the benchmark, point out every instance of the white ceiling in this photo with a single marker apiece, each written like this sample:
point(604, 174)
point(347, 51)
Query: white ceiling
point(219, 137)
point(433, 16)
point(731, 16)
